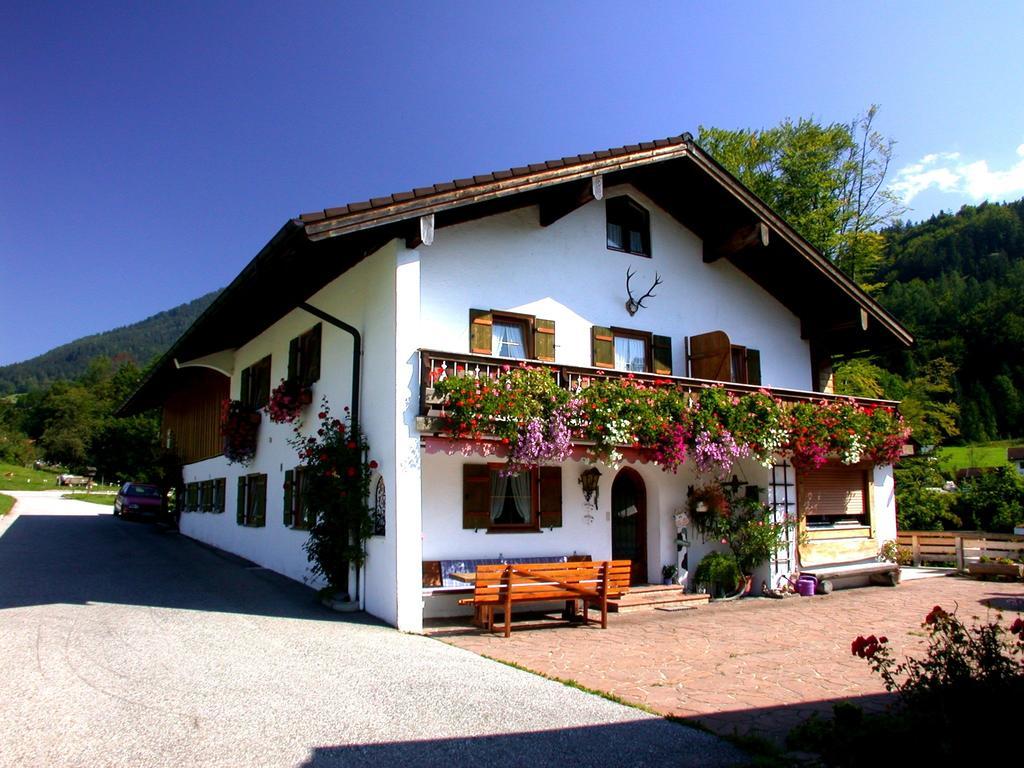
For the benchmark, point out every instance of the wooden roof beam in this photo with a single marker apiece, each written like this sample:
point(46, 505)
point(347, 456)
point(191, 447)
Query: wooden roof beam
point(742, 239)
point(562, 202)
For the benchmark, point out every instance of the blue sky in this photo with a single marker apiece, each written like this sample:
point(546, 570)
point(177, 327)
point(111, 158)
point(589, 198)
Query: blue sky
point(148, 150)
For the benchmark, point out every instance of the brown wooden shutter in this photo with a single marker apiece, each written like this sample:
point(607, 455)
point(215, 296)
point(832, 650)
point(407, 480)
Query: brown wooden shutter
point(476, 496)
point(661, 354)
point(753, 366)
point(833, 491)
point(711, 356)
point(544, 340)
point(602, 347)
point(480, 322)
point(550, 497)
point(313, 366)
point(289, 477)
point(293, 359)
point(240, 502)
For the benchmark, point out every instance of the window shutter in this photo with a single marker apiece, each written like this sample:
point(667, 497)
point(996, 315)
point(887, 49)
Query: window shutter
point(544, 340)
point(833, 491)
point(240, 502)
point(550, 497)
point(603, 347)
point(260, 507)
point(206, 495)
point(293, 359)
point(711, 356)
point(476, 496)
point(220, 488)
point(313, 370)
point(753, 366)
point(289, 476)
point(480, 322)
point(661, 347)
point(244, 394)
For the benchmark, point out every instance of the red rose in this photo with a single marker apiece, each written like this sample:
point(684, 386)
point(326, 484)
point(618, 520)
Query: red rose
point(373, 465)
point(351, 471)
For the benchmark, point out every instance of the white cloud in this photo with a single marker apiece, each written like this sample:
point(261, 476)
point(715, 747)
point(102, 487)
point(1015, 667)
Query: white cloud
point(947, 172)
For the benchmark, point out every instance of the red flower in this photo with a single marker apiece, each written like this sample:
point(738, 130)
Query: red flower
point(373, 465)
point(1017, 628)
point(351, 445)
point(936, 615)
point(351, 471)
point(322, 415)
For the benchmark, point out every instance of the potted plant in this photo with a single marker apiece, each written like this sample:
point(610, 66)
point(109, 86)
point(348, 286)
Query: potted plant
point(718, 574)
point(669, 574)
point(996, 566)
point(287, 401)
point(239, 426)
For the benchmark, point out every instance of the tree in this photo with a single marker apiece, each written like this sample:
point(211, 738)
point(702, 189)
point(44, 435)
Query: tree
point(827, 181)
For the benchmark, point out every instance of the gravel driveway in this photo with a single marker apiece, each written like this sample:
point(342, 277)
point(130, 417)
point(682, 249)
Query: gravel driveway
point(124, 644)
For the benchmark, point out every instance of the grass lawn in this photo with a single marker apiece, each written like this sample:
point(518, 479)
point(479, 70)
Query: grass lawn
point(95, 498)
point(15, 478)
point(6, 502)
point(952, 458)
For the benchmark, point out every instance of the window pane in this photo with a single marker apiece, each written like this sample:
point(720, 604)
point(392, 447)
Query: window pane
point(636, 242)
point(614, 236)
point(511, 499)
point(630, 354)
point(507, 340)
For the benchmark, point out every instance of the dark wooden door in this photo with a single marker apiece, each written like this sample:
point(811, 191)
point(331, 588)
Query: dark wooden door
point(629, 522)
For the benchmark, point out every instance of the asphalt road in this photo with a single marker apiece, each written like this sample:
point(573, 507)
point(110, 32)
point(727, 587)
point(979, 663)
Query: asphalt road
point(122, 644)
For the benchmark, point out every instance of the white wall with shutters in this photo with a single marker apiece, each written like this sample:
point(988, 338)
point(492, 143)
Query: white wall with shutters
point(566, 273)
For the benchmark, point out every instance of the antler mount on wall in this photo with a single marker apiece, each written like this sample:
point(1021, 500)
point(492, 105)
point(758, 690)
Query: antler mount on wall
point(633, 305)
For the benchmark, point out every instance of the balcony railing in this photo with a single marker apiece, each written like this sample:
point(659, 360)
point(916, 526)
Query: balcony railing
point(439, 365)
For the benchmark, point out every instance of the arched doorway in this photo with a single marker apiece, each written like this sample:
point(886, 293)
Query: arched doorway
point(629, 522)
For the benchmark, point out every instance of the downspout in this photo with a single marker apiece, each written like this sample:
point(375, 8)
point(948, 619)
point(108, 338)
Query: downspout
point(357, 356)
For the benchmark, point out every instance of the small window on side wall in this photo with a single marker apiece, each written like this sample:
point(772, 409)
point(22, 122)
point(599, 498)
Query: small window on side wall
point(628, 350)
point(528, 501)
point(628, 226)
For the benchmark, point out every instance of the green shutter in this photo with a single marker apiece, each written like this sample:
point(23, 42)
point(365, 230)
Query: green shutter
point(544, 340)
point(753, 366)
point(293, 359)
point(662, 355)
point(313, 364)
point(476, 496)
point(550, 497)
point(220, 487)
point(260, 507)
point(240, 502)
point(289, 476)
point(603, 347)
point(243, 392)
point(480, 323)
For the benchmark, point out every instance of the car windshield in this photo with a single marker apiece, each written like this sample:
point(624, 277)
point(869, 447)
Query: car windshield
point(143, 490)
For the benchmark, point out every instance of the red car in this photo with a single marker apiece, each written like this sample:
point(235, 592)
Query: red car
point(140, 500)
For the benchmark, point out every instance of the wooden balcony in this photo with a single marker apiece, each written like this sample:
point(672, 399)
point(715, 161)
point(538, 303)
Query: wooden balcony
point(435, 366)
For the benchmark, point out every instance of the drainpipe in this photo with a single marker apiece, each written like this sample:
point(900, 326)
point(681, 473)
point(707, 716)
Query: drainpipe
point(357, 356)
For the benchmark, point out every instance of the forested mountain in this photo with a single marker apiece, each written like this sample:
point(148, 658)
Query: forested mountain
point(139, 342)
point(957, 282)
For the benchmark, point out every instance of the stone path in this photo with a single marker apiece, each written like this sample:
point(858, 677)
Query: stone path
point(754, 666)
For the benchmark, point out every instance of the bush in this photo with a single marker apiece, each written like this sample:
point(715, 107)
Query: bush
point(993, 501)
point(919, 505)
point(719, 571)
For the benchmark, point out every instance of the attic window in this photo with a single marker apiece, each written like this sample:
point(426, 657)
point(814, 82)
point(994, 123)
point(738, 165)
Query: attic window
point(628, 226)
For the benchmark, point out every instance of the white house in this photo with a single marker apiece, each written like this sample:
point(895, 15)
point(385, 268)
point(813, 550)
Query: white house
point(530, 262)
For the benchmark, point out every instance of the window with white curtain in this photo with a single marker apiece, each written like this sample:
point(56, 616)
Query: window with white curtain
point(508, 339)
point(512, 499)
point(630, 353)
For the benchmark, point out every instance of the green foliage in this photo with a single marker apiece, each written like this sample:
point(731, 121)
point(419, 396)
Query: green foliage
point(827, 181)
point(106, 499)
point(140, 342)
point(719, 571)
point(920, 504)
point(954, 457)
point(6, 503)
point(336, 490)
point(992, 501)
point(14, 477)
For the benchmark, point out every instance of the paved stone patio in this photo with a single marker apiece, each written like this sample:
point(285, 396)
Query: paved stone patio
point(754, 666)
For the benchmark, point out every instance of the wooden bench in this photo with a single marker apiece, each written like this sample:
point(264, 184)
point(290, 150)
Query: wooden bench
point(502, 586)
point(438, 574)
point(887, 574)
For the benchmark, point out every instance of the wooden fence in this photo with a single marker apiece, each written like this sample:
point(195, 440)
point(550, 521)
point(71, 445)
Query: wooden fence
point(958, 547)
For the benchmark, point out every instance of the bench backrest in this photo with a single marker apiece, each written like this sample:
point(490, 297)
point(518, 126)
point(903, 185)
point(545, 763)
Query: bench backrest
point(551, 581)
point(438, 573)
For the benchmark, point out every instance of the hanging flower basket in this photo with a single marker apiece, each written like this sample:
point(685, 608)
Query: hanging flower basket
point(240, 429)
point(287, 401)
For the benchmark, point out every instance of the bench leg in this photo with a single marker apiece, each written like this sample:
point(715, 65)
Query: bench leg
point(604, 611)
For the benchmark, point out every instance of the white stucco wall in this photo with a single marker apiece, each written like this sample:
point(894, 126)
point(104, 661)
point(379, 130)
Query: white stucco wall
point(364, 298)
point(566, 273)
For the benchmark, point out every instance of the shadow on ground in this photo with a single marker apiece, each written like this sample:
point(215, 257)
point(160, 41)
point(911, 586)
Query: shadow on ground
point(53, 559)
point(638, 743)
